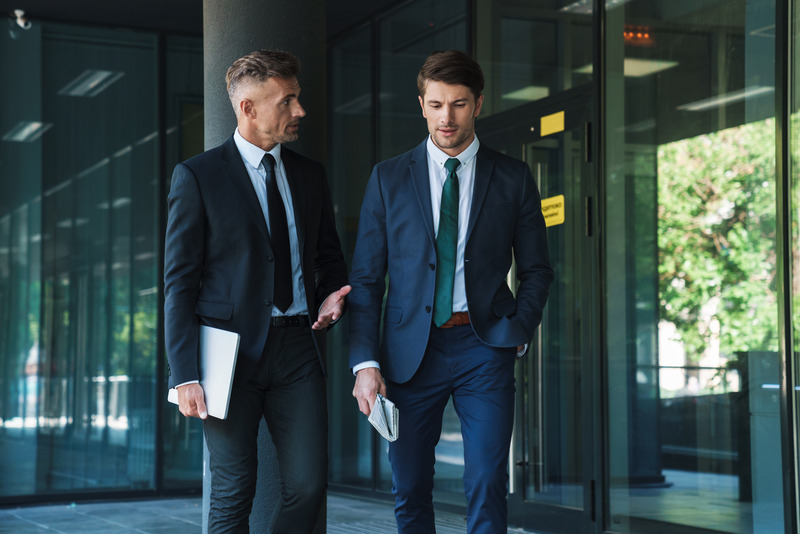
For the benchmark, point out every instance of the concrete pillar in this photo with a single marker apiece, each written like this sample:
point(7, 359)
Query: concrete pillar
point(231, 29)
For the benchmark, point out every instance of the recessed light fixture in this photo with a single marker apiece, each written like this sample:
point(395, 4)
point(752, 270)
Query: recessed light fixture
point(637, 68)
point(528, 94)
point(27, 131)
point(726, 98)
point(91, 83)
point(585, 7)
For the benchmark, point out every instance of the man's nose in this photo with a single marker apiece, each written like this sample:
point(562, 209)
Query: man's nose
point(448, 114)
point(299, 111)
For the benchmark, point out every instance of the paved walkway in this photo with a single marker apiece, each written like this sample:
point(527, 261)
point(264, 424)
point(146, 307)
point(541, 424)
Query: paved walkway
point(346, 515)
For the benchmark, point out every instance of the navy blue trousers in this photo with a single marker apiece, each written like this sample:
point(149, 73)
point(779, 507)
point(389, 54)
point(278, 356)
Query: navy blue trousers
point(480, 380)
point(288, 391)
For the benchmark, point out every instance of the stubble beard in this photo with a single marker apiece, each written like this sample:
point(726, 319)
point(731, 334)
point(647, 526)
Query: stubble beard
point(452, 142)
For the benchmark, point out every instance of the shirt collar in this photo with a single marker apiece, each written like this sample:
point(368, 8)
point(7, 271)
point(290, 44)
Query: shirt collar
point(253, 154)
point(440, 157)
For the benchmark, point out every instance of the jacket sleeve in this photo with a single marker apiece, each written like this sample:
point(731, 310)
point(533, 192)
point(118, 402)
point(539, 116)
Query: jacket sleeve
point(368, 276)
point(532, 257)
point(183, 260)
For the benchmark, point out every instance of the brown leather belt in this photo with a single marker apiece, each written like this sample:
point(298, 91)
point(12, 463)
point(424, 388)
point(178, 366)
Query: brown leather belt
point(457, 319)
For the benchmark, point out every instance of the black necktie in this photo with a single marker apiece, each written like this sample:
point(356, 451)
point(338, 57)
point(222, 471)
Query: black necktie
point(279, 238)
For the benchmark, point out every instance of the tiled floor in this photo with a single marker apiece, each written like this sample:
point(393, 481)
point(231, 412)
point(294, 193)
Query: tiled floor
point(346, 515)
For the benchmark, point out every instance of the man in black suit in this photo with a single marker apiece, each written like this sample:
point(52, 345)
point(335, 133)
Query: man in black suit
point(251, 247)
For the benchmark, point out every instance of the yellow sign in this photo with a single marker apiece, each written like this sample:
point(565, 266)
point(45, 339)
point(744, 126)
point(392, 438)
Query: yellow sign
point(551, 124)
point(553, 210)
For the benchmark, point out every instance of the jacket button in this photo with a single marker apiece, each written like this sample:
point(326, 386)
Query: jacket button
point(432, 266)
point(428, 309)
point(267, 302)
point(270, 258)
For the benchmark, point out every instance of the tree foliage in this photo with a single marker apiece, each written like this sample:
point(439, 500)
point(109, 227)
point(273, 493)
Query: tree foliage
point(716, 239)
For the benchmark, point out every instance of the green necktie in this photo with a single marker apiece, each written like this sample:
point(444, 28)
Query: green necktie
point(446, 244)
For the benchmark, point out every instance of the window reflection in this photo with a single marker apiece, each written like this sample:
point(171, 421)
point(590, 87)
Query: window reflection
point(79, 260)
point(693, 411)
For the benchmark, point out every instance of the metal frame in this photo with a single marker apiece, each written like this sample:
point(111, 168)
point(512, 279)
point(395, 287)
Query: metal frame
point(784, 31)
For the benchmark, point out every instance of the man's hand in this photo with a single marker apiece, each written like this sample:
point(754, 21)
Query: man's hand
point(192, 401)
point(331, 309)
point(369, 382)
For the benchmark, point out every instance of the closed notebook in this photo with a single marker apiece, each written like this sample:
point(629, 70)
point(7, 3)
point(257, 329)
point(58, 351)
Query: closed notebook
point(218, 351)
point(385, 417)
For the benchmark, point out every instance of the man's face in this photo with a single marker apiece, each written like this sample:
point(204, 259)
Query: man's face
point(274, 111)
point(450, 111)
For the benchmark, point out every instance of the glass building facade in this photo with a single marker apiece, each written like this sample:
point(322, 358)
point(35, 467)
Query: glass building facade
point(660, 393)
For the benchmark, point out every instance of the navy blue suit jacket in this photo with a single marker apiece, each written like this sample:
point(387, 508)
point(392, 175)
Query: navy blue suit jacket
point(218, 267)
point(396, 236)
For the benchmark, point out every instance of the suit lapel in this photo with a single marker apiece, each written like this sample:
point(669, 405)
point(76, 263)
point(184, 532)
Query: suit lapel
point(296, 179)
point(484, 166)
point(233, 166)
point(422, 186)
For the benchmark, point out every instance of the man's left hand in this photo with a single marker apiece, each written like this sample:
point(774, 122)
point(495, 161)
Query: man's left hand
point(331, 309)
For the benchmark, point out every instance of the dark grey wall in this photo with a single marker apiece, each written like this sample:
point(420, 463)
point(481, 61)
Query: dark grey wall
point(233, 28)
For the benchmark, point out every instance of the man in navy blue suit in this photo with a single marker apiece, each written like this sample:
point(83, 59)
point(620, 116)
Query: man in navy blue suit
point(444, 221)
point(251, 247)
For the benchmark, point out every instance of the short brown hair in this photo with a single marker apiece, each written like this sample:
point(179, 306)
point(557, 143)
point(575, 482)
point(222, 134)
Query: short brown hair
point(453, 67)
point(260, 66)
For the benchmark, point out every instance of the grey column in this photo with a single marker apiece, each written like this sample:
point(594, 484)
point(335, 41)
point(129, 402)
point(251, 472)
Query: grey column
point(231, 29)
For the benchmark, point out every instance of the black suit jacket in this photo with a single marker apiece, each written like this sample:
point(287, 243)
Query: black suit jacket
point(218, 267)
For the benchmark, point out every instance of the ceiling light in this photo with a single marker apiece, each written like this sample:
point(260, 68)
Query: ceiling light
point(27, 131)
point(726, 98)
point(585, 7)
point(636, 68)
point(91, 83)
point(528, 94)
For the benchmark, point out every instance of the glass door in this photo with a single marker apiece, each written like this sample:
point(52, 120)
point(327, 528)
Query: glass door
point(552, 462)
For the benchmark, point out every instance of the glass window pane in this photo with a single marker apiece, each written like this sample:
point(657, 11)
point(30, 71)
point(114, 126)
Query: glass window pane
point(350, 60)
point(532, 49)
point(21, 130)
point(81, 221)
point(407, 36)
point(691, 294)
point(182, 437)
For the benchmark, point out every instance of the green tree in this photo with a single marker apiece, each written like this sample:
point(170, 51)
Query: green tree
point(716, 239)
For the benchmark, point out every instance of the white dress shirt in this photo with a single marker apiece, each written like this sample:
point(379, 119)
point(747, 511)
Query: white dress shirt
point(252, 156)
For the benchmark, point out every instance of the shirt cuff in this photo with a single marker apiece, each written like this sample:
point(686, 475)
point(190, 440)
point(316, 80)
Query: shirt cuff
point(187, 383)
point(364, 365)
point(523, 351)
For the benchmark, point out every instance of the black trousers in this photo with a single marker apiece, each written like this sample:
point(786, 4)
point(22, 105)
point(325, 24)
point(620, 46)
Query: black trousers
point(288, 391)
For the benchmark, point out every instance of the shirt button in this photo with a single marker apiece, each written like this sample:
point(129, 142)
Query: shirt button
point(428, 309)
point(432, 266)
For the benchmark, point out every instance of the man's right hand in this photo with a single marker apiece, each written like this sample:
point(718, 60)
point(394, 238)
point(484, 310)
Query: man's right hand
point(369, 382)
point(192, 401)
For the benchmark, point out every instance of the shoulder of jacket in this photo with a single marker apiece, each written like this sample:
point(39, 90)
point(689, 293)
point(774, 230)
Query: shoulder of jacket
point(397, 162)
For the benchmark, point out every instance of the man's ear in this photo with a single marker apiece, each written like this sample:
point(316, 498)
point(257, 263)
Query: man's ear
point(247, 108)
point(478, 106)
point(422, 105)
